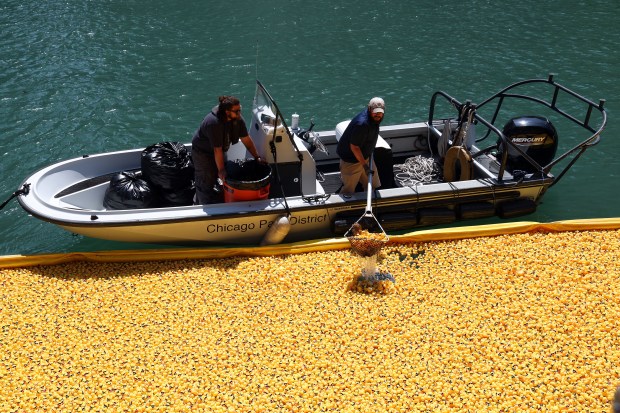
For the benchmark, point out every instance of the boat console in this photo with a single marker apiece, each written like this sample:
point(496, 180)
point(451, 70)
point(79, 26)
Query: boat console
point(293, 167)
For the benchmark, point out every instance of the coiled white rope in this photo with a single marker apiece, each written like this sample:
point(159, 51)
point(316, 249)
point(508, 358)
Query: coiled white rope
point(416, 170)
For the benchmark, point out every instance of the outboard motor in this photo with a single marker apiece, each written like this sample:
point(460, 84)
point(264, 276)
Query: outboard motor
point(535, 136)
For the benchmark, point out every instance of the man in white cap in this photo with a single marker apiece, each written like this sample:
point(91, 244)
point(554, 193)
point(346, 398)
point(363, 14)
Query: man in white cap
point(357, 144)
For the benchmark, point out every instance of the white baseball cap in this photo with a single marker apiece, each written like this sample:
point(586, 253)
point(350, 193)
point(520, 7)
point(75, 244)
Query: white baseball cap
point(376, 105)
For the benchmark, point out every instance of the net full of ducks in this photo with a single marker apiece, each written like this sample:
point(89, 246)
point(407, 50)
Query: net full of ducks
point(367, 245)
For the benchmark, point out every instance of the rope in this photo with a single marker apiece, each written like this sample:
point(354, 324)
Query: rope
point(416, 170)
point(23, 191)
point(466, 118)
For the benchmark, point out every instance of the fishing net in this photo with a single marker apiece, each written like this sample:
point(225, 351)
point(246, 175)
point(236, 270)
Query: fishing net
point(364, 242)
point(371, 280)
point(367, 237)
point(367, 245)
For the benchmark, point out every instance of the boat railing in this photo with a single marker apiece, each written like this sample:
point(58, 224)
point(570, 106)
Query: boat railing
point(509, 93)
point(490, 128)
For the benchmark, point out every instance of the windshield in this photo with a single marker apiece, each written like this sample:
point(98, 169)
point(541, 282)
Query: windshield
point(262, 100)
point(264, 103)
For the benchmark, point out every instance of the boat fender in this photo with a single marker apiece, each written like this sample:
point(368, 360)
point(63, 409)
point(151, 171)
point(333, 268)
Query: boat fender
point(458, 165)
point(278, 230)
point(444, 139)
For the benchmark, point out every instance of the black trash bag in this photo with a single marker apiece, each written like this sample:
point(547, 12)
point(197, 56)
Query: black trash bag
point(177, 197)
point(167, 165)
point(128, 191)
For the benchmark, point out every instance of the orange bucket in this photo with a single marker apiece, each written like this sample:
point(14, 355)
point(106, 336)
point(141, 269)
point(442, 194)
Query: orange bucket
point(247, 181)
point(234, 194)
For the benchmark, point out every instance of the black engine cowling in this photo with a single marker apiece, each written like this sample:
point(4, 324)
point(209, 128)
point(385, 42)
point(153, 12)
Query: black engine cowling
point(534, 135)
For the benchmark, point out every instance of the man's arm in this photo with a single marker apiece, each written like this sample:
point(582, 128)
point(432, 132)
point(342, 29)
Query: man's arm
point(219, 161)
point(357, 152)
point(249, 144)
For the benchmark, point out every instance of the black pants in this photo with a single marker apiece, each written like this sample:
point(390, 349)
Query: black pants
point(205, 177)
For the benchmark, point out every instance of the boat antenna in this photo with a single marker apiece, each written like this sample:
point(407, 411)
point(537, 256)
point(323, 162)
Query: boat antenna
point(256, 65)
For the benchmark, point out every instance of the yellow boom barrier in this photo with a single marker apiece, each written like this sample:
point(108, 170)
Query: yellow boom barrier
point(13, 261)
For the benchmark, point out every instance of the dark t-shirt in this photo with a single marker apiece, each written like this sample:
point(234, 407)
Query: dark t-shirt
point(214, 133)
point(363, 132)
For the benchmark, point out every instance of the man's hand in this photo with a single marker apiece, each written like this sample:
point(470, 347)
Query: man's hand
point(222, 174)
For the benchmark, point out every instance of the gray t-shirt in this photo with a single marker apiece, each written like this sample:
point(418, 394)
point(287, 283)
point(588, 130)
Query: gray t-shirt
point(215, 133)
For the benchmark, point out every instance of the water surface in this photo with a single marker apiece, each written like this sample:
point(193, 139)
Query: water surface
point(94, 76)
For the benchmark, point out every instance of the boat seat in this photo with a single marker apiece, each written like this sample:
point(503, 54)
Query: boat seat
point(340, 128)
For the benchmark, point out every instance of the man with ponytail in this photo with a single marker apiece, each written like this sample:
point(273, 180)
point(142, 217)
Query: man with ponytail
point(222, 127)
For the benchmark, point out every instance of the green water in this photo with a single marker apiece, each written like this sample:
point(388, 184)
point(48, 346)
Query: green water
point(83, 77)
